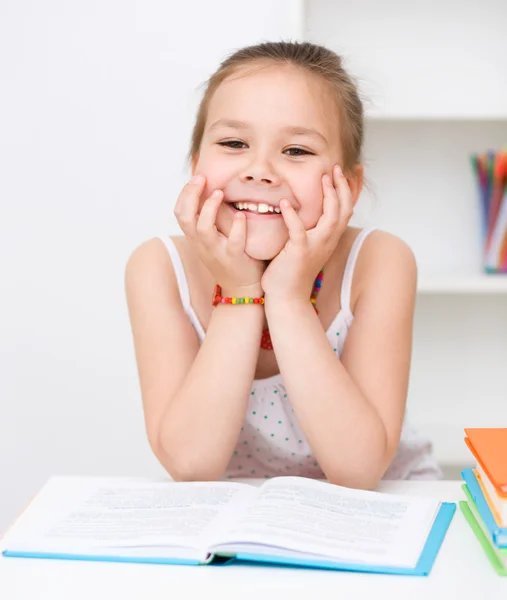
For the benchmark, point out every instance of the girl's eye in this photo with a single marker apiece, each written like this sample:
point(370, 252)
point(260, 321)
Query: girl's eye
point(236, 144)
point(232, 144)
point(299, 152)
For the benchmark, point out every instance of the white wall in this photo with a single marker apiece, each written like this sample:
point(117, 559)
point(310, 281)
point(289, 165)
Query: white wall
point(96, 105)
point(432, 75)
point(97, 102)
point(422, 189)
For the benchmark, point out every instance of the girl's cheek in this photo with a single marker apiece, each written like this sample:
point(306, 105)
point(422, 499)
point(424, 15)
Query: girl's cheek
point(208, 190)
point(313, 207)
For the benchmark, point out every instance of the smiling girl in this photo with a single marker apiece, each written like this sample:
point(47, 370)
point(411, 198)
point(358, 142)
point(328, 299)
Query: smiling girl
point(273, 338)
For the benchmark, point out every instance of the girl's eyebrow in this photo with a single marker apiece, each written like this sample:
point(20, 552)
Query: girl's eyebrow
point(291, 129)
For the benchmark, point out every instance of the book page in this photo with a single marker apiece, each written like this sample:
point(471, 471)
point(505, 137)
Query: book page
point(497, 505)
point(348, 525)
point(94, 514)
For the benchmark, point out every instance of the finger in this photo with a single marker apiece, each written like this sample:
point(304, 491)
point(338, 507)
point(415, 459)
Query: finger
point(205, 227)
point(329, 220)
point(294, 224)
point(188, 203)
point(344, 195)
point(236, 242)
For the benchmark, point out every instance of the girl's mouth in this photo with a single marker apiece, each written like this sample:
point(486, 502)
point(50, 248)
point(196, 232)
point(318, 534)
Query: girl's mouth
point(254, 209)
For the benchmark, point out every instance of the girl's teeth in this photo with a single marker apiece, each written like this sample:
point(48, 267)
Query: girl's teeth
point(258, 208)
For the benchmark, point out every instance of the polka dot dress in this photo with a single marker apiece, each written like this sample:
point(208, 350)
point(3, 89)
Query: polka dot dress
point(271, 442)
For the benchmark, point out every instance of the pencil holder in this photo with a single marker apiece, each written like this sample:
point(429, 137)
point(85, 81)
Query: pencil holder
point(490, 171)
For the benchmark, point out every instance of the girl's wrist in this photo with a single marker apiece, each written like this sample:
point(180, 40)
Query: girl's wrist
point(284, 311)
point(248, 291)
point(287, 299)
point(277, 307)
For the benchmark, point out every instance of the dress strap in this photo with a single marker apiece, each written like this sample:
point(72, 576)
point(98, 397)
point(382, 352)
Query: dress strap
point(182, 281)
point(349, 268)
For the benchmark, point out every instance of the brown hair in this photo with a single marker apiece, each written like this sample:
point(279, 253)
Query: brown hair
point(310, 57)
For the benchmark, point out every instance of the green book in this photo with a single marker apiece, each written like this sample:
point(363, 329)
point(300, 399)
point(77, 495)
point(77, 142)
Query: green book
point(497, 557)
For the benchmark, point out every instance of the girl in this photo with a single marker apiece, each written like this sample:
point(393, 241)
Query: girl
point(273, 338)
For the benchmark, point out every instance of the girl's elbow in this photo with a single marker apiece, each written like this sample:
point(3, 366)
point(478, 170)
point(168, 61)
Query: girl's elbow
point(185, 466)
point(187, 471)
point(358, 480)
point(363, 474)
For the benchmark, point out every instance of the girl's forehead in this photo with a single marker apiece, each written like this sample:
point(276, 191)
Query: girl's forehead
point(275, 94)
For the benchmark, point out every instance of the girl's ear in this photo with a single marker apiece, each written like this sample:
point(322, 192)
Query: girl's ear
point(355, 181)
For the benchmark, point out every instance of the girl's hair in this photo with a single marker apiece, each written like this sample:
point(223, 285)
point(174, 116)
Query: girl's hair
point(311, 58)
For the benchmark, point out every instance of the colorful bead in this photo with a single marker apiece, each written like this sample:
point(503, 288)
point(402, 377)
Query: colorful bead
point(266, 340)
point(219, 299)
point(266, 343)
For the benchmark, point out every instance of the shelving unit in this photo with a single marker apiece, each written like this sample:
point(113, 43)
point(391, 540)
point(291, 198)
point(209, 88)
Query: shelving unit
point(435, 91)
point(463, 284)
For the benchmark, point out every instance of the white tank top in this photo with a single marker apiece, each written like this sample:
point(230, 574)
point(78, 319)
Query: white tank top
point(271, 442)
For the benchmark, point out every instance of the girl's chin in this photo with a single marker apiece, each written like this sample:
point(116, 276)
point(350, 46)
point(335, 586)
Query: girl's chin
point(262, 249)
point(262, 243)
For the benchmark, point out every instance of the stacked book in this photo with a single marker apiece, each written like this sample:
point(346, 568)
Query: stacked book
point(485, 488)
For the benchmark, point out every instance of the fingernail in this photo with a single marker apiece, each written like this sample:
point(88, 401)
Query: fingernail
point(338, 170)
point(197, 179)
point(327, 179)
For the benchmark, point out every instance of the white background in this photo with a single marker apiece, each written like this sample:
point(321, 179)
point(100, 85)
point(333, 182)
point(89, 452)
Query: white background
point(97, 101)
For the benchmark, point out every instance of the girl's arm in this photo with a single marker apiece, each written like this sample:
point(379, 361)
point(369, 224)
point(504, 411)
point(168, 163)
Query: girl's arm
point(351, 409)
point(194, 398)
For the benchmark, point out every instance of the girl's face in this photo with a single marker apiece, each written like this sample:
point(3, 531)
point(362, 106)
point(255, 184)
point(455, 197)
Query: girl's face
point(269, 135)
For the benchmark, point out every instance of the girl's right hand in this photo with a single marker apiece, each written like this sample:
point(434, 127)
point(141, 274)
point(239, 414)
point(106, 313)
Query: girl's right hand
point(237, 273)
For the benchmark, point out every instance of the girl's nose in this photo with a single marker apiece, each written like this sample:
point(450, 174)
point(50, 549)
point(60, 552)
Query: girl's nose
point(260, 171)
point(262, 179)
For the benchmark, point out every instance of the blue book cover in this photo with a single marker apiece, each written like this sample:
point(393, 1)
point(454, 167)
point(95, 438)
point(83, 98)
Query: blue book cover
point(320, 525)
point(423, 567)
point(498, 534)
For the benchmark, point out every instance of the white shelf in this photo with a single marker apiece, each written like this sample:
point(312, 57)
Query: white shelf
point(411, 62)
point(429, 107)
point(377, 114)
point(463, 284)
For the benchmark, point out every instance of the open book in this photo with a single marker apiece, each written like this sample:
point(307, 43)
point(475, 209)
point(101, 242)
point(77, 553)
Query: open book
point(287, 520)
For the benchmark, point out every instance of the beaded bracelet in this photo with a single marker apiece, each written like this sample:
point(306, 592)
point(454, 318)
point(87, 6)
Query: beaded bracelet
point(219, 299)
point(266, 338)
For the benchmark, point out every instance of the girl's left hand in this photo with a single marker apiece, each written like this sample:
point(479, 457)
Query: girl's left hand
point(291, 273)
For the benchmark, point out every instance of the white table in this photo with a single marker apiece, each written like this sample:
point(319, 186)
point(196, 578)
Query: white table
point(461, 570)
